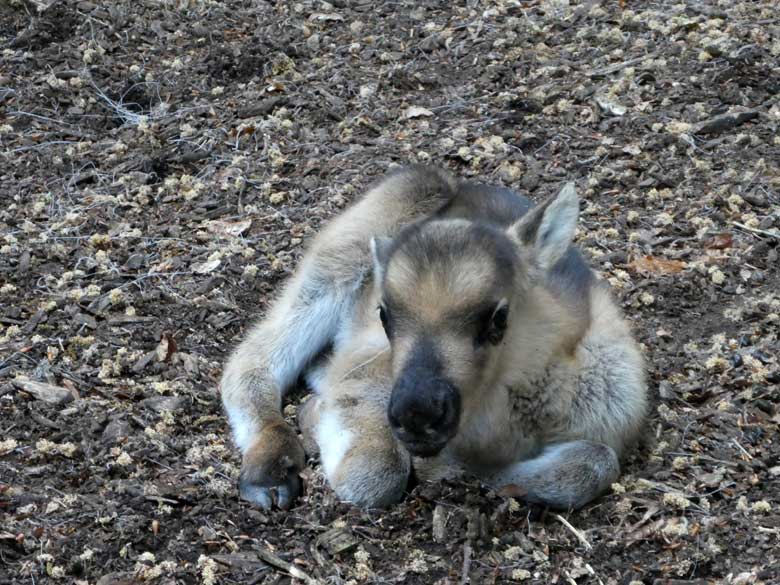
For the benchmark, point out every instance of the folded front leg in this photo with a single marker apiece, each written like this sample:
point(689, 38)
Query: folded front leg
point(364, 464)
point(564, 475)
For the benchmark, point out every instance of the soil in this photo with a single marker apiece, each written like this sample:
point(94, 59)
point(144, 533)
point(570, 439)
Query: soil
point(165, 163)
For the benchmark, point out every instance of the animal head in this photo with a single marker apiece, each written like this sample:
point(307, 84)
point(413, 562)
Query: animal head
point(451, 294)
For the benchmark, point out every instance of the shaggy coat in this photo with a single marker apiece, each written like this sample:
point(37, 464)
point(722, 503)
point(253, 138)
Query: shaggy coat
point(445, 327)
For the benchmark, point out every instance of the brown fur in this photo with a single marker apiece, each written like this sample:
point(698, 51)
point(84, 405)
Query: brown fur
point(551, 406)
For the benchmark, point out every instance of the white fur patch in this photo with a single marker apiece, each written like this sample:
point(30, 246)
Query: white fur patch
point(243, 426)
point(334, 440)
point(316, 378)
point(343, 335)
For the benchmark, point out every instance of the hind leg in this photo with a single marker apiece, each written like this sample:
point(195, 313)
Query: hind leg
point(564, 476)
point(363, 462)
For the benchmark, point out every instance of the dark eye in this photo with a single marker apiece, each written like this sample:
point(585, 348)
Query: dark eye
point(500, 318)
point(493, 323)
point(384, 317)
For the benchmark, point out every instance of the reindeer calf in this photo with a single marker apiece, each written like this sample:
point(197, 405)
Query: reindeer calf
point(446, 327)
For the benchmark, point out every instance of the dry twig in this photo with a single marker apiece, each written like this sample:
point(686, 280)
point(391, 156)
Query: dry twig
point(464, 576)
point(580, 536)
point(757, 231)
point(270, 558)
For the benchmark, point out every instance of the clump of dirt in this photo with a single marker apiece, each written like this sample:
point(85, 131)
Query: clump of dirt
point(164, 164)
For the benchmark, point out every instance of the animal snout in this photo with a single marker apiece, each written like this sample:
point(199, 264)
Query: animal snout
point(424, 415)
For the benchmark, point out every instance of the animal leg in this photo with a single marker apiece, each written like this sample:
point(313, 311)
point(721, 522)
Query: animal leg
point(564, 476)
point(264, 366)
point(312, 312)
point(364, 464)
point(308, 420)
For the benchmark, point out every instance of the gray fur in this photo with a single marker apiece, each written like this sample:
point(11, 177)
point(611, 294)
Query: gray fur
point(563, 475)
point(551, 408)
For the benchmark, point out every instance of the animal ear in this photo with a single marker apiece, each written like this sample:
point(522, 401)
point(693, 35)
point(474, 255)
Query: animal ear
point(549, 227)
point(380, 251)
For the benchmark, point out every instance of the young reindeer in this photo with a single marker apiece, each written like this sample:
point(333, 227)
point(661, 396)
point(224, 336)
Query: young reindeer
point(466, 336)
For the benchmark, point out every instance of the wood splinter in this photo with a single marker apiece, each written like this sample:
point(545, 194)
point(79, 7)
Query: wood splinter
point(270, 558)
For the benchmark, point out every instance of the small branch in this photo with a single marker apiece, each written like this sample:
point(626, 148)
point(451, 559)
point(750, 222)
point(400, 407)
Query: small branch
point(162, 500)
point(748, 456)
point(604, 71)
point(569, 579)
point(593, 573)
point(40, 145)
point(464, 575)
point(757, 231)
point(580, 536)
point(270, 558)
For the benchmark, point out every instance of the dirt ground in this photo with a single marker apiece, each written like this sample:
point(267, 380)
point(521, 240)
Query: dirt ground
point(163, 165)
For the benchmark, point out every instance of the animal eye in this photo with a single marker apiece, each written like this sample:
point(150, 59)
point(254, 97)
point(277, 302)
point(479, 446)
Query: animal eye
point(500, 317)
point(384, 317)
point(493, 324)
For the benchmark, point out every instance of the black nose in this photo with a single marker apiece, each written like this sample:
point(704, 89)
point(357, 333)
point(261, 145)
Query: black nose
point(424, 414)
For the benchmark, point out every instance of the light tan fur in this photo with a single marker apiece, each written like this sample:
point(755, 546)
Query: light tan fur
point(551, 408)
point(310, 313)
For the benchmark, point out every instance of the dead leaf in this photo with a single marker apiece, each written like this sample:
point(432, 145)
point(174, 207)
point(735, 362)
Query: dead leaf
point(610, 106)
point(654, 265)
point(241, 130)
point(712, 480)
point(417, 112)
point(326, 16)
point(337, 540)
point(228, 228)
point(207, 266)
point(46, 392)
point(243, 560)
point(166, 348)
point(719, 241)
point(645, 532)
